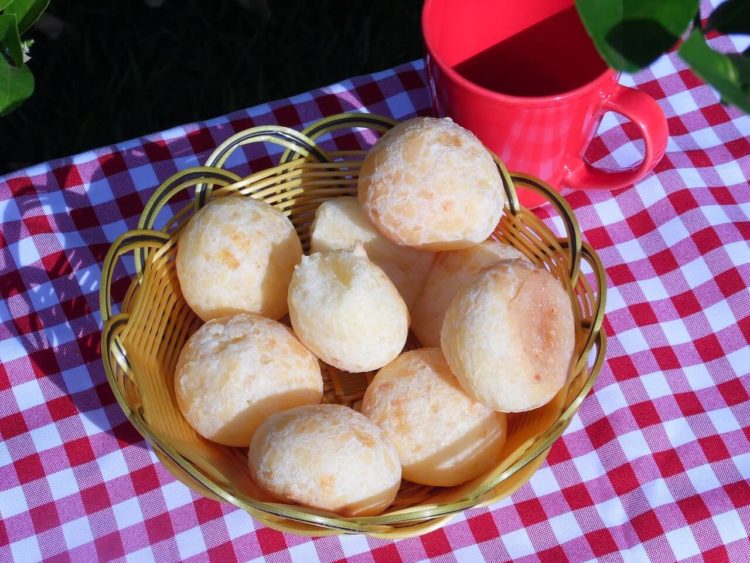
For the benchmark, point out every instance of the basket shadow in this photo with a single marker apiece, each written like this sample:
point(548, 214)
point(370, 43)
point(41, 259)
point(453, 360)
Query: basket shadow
point(49, 279)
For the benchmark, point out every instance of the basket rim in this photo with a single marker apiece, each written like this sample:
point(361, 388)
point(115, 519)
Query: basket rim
point(145, 239)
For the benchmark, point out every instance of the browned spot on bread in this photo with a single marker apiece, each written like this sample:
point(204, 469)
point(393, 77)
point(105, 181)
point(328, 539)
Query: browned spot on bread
point(228, 259)
point(240, 239)
point(363, 438)
point(326, 482)
point(450, 140)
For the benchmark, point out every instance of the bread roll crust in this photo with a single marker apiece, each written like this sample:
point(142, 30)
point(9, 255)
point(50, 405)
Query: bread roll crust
point(509, 336)
point(346, 310)
point(237, 254)
point(451, 272)
point(431, 184)
point(443, 437)
point(328, 457)
point(340, 224)
point(236, 371)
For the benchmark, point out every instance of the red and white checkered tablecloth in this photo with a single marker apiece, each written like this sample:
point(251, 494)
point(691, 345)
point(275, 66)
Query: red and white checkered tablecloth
point(655, 466)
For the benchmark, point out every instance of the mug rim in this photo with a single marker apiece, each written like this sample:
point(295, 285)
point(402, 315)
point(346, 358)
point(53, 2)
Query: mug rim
point(431, 53)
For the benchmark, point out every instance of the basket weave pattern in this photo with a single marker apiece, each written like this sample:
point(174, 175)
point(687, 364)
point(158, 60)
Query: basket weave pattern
point(142, 341)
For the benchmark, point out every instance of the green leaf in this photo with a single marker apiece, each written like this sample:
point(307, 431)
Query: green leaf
point(27, 12)
point(631, 34)
point(16, 84)
point(733, 16)
point(10, 39)
point(729, 74)
point(5, 3)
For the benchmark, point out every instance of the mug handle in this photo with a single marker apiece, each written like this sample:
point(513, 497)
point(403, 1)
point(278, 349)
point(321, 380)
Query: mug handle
point(641, 109)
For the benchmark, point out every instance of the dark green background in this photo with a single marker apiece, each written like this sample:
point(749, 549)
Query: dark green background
point(122, 69)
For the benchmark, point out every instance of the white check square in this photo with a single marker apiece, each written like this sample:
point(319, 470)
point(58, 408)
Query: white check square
point(62, 484)
point(653, 289)
point(740, 361)
point(661, 67)
point(5, 459)
point(543, 482)
point(304, 553)
point(696, 272)
point(703, 478)
point(113, 465)
point(730, 173)
point(612, 512)
point(691, 177)
point(589, 466)
point(698, 377)
point(720, 316)
point(127, 513)
point(715, 215)
point(627, 155)
point(190, 543)
point(565, 527)
point(176, 495)
point(683, 101)
point(77, 379)
point(656, 385)
point(144, 176)
point(99, 192)
point(145, 555)
point(24, 252)
point(683, 543)
point(611, 398)
point(400, 105)
point(46, 437)
point(631, 250)
point(738, 251)
point(615, 302)
point(673, 231)
point(650, 190)
point(239, 523)
point(354, 545)
point(742, 462)
point(730, 527)
point(679, 432)
point(518, 544)
point(705, 138)
point(634, 445)
point(26, 549)
point(609, 211)
point(633, 341)
point(468, 554)
point(28, 395)
point(12, 502)
point(657, 493)
point(78, 532)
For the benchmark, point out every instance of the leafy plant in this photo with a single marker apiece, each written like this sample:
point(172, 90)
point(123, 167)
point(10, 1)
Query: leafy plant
point(16, 80)
point(631, 34)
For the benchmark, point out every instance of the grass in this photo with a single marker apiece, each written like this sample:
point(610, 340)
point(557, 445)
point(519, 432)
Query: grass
point(122, 69)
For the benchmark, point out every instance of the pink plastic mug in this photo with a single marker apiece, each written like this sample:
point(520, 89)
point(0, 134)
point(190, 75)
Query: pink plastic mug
point(525, 77)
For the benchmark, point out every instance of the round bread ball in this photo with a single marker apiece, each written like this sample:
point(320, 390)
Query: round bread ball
point(235, 371)
point(509, 336)
point(443, 437)
point(431, 184)
point(450, 273)
point(328, 457)
point(346, 310)
point(340, 224)
point(237, 254)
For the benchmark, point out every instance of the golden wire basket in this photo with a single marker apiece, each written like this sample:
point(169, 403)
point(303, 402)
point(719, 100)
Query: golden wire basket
point(141, 343)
